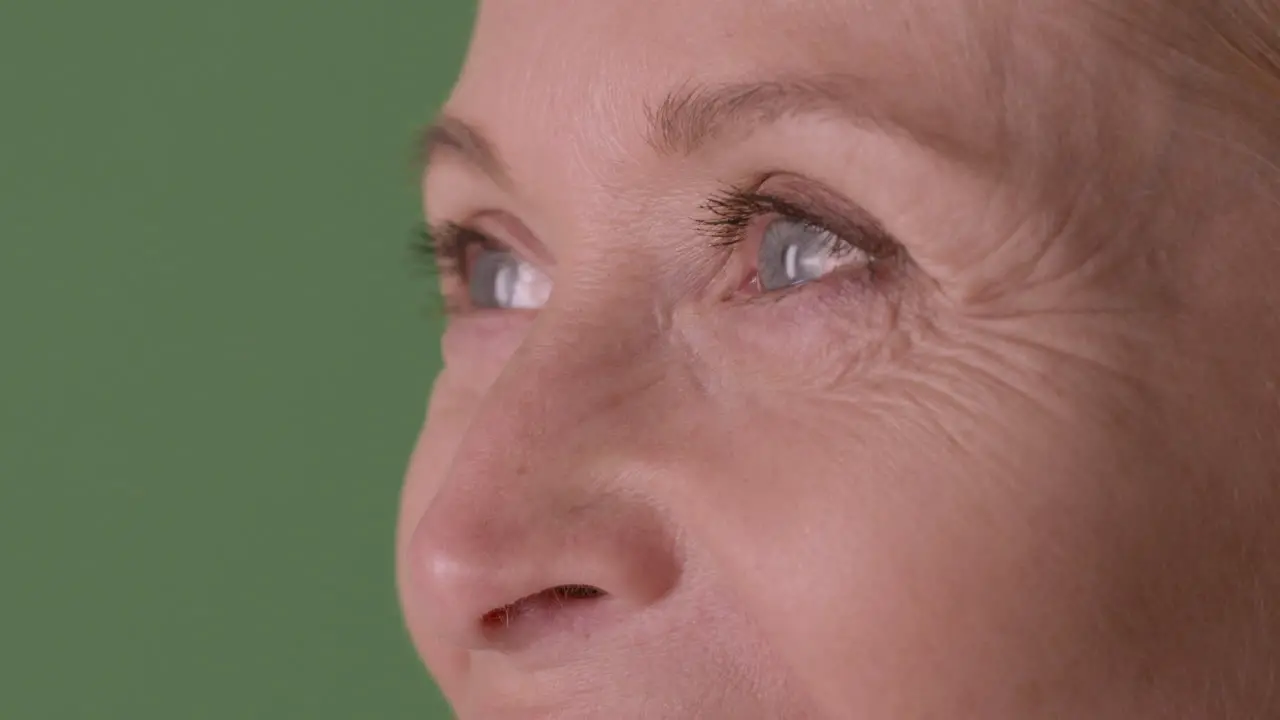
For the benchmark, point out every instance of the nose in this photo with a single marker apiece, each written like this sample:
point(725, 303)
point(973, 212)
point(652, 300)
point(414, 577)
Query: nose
point(543, 528)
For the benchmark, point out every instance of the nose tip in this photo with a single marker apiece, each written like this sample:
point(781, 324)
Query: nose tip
point(502, 577)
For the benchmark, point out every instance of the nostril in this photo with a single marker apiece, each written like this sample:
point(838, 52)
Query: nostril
point(555, 599)
point(577, 592)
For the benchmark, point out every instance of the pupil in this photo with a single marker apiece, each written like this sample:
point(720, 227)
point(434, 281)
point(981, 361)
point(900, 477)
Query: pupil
point(791, 252)
point(493, 280)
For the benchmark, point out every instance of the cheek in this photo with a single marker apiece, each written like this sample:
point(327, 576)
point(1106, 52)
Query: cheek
point(816, 338)
point(944, 523)
point(476, 347)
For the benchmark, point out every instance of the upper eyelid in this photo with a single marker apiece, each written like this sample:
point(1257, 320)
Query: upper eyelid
point(857, 223)
point(446, 239)
point(782, 206)
point(454, 238)
point(731, 213)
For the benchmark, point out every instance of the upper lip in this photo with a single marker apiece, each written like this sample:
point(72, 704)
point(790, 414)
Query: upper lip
point(491, 710)
point(503, 686)
point(560, 675)
point(509, 715)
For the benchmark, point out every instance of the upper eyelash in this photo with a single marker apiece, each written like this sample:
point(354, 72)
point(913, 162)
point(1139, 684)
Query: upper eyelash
point(445, 245)
point(729, 214)
point(731, 211)
point(424, 245)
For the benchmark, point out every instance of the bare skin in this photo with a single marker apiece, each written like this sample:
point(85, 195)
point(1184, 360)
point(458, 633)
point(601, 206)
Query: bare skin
point(870, 360)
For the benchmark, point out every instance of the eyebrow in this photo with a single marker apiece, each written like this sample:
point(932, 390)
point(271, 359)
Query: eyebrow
point(694, 116)
point(450, 134)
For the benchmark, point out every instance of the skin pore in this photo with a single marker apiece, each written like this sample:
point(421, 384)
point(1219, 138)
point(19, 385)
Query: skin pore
point(855, 359)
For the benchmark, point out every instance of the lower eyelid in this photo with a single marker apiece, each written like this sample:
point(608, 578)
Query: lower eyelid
point(843, 285)
point(484, 334)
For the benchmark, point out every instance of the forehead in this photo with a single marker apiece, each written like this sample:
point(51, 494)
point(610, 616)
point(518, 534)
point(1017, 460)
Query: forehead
point(565, 91)
point(721, 36)
point(728, 37)
point(582, 74)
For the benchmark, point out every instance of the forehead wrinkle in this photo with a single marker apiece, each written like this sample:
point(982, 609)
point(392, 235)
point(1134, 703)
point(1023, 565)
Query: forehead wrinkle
point(933, 73)
point(980, 82)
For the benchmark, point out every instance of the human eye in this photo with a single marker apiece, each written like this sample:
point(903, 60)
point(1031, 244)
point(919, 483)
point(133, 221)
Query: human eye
point(796, 238)
point(480, 272)
point(793, 251)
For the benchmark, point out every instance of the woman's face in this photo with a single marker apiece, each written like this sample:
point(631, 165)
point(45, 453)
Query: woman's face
point(843, 359)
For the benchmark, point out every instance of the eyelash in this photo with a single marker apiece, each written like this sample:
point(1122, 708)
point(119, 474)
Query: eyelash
point(445, 248)
point(732, 211)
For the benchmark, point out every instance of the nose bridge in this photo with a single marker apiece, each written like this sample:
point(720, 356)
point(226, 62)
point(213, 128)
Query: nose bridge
point(569, 383)
point(539, 495)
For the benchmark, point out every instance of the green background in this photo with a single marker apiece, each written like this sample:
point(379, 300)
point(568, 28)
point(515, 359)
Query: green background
point(214, 353)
